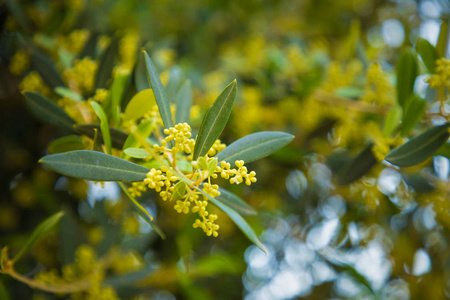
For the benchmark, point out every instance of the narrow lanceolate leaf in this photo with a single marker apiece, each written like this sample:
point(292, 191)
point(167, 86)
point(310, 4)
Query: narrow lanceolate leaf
point(144, 129)
point(139, 105)
point(142, 211)
point(159, 92)
point(255, 146)
point(420, 148)
point(38, 233)
point(178, 191)
point(175, 77)
point(406, 76)
point(103, 125)
point(93, 165)
point(140, 75)
point(428, 53)
point(442, 42)
point(215, 120)
point(236, 203)
point(106, 65)
point(414, 110)
point(44, 66)
point(65, 92)
point(393, 120)
point(118, 137)
point(48, 112)
point(65, 144)
point(184, 101)
point(137, 153)
point(357, 167)
point(237, 219)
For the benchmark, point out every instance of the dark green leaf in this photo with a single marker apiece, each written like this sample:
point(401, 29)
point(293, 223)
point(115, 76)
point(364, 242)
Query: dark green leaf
point(238, 220)
point(142, 211)
point(118, 137)
point(65, 144)
point(38, 233)
point(44, 66)
point(184, 100)
point(159, 92)
point(420, 148)
point(140, 75)
point(406, 76)
point(236, 203)
point(428, 53)
point(255, 146)
point(117, 91)
point(414, 110)
point(357, 167)
point(90, 46)
point(393, 120)
point(48, 112)
point(15, 9)
point(215, 120)
point(95, 166)
point(106, 65)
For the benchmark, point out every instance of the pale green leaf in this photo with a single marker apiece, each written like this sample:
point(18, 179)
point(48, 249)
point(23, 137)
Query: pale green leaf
point(65, 144)
point(406, 75)
point(414, 110)
point(103, 125)
point(428, 53)
point(393, 120)
point(137, 152)
point(178, 191)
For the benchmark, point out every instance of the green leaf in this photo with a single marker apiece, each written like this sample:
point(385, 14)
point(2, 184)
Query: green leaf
point(215, 120)
point(93, 165)
point(142, 211)
point(175, 76)
point(178, 191)
point(159, 91)
point(140, 75)
point(65, 144)
point(414, 110)
point(48, 112)
point(144, 129)
point(137, 152)
point(237, 219)
point(103, 125)
point(393, 120)
point(420, 148)
point(406, 75)
point(212, 166)
point(255, 146)
point(106, 65)
point(184, 101)
point(118, 138)
point(444, 150)
point(90, 46)
point(117, 91)
point(441, 45)
point(236, 203)
point(38, 233)
point(43, 64)
point(357, 167)
point(4, 295)
point(428, 53)
point(139, 105)
point(350, 92)
point(183, 165)
point(65, 92)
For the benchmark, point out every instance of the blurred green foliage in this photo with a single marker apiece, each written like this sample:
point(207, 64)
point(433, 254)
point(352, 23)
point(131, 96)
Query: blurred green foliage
point(354, 81)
